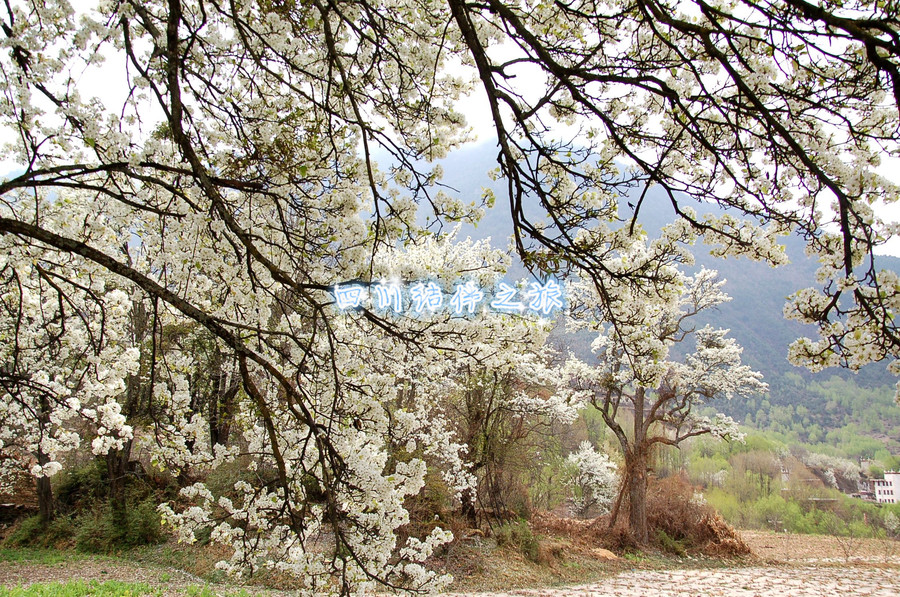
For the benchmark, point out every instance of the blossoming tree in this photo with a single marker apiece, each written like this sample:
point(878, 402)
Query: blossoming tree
point(66, 355)
point(636, 377)
point(595, 478)
point(786, 111)
point(226, 174)
point(498, 408)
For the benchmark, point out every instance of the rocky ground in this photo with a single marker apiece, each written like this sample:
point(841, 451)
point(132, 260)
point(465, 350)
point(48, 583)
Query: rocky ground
point(784, 565)
point(755, 581)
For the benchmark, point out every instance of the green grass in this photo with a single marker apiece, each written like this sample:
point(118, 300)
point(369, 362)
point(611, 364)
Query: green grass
point(110, 588)
point(37, 555)
point(79, 588)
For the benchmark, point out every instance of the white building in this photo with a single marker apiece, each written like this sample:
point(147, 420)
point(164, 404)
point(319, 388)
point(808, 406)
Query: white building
point(887, 490)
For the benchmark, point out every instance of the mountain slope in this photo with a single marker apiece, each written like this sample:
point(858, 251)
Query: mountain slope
point(806, 405)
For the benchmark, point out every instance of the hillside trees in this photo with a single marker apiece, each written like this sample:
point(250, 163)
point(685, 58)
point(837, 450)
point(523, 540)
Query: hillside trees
point(500, 410)
point(636, 375)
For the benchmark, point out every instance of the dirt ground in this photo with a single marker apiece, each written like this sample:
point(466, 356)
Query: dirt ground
point(19, 573)
point(783, 565)
point(770, 581)
point(821, 549)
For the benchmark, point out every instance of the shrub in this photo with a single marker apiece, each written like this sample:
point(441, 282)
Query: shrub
point(669, 544)
point(96, 534)
point(32, 532)
point(676, 513)
point(518, 535)
point(81, 488)
point(99, 533)
point(143, 525)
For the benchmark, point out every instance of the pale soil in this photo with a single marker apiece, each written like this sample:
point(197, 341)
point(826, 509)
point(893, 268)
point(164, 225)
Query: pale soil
point(790, 548)
point(785, 565)
point(770, 581)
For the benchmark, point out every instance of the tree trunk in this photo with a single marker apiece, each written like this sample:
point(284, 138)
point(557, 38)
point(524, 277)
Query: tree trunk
point(469, 511)
point(636, 469)
point(46, 511)
point(221, 411)
point(636, 487)
point(117, 460)
point(117, 470)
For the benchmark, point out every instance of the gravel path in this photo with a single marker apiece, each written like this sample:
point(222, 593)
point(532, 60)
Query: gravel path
point(795, 566)
point(770, 581)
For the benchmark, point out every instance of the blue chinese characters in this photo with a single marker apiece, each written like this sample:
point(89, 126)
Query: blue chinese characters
point(426, 295)
point(467, 297)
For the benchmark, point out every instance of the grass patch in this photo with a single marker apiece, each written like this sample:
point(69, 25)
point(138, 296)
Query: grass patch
point(79, 588)
point(109, 588)
point(37, 555)
point(35, 533)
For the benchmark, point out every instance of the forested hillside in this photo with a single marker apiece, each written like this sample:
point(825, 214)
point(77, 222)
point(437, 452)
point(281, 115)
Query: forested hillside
point(829, 407)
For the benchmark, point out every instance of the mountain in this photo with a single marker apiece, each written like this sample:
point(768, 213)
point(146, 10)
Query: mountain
point(810, 407)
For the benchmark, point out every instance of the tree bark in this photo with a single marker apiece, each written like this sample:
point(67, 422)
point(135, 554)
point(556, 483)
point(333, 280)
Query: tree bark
point(221, 409)
point(636, 469)
point(46, 511)
point(636, 487)
point(469, 510)
point(117, 470)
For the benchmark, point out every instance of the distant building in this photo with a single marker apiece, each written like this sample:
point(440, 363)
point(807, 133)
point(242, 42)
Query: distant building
point(887, 490)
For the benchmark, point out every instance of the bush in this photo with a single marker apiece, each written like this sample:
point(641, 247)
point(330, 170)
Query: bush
point(96, 534)
point(32, 532)
point(99, 533)
point(668, 544)
point(518, 535)
point(144, 525)
point(683, 520)
point(79, 489)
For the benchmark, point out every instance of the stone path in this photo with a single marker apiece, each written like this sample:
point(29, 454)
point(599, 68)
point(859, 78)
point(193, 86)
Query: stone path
point(769, 581)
